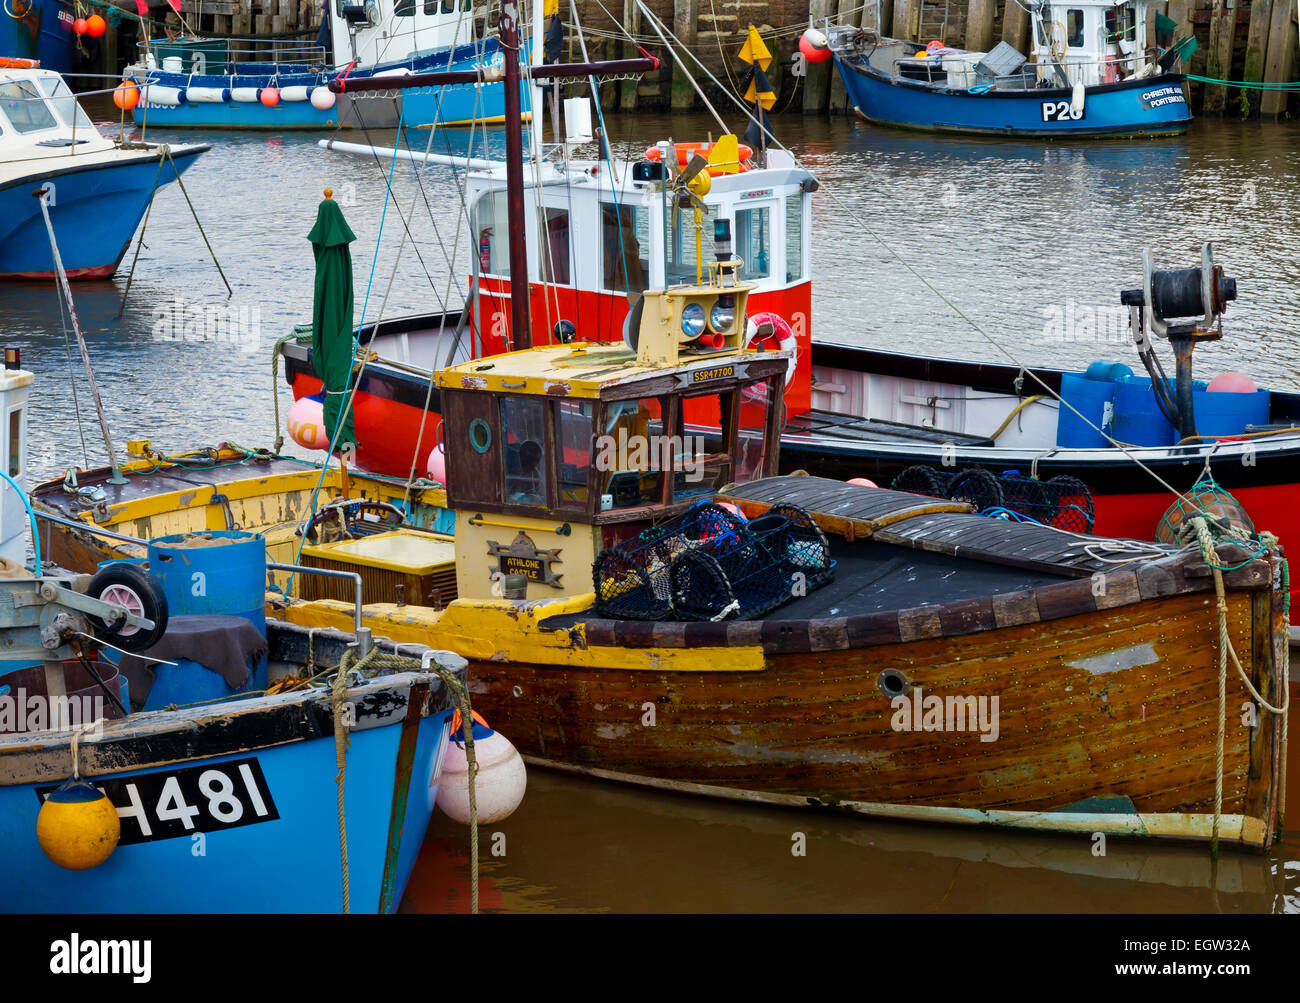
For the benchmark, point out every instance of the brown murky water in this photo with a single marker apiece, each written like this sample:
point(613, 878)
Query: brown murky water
point(1007, 230)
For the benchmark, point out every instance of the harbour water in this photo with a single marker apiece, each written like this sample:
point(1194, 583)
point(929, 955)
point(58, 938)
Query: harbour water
point(1032, 244)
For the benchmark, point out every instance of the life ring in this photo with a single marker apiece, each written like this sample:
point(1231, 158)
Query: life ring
point(769, 327)
point(16, 63)
point(687, 150)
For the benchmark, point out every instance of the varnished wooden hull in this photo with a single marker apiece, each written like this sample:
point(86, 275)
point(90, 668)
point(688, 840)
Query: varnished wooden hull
point(815, 725)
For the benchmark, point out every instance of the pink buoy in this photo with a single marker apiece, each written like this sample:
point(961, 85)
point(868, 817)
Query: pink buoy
point(733, 509)
point(437, 465)
point(306, 422)
point(1232, 383)
point(814, 46)
point(269, 96)
point(863, 482)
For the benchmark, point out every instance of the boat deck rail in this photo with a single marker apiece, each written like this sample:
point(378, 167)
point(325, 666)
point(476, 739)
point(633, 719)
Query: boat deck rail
point(1032, 75)
point(220, 56)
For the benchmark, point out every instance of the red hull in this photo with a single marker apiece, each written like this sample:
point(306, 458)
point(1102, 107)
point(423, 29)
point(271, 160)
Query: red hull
point(97, 272)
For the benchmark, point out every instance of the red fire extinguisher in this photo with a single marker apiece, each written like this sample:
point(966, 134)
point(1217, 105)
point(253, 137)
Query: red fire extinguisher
point(485, 250)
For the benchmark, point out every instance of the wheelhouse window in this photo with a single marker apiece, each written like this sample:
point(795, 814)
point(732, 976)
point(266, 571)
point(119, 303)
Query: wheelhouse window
point(794, 237)
point(492, 229)
point(65, 104)
point(573, 445)
point(703, 439)
point(679, 239)
point(554, 241)
point(754, 241)
point(1074, 28)
point(625, 247)
point(630, 454)
point(523, 430)
point(25, 108)
point(404, 8)
point(16, 442)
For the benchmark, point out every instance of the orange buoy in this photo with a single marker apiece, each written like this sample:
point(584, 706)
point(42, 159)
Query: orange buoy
point(687, 150)
point(126, 95)
point(96, 26)
point(270, 96)
point(79, 26)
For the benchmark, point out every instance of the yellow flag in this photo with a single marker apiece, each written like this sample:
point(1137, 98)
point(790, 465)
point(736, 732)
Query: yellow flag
point(754, 50)
point(550, 8)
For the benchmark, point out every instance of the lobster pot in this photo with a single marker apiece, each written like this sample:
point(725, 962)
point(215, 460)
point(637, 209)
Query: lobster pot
point(1093, 399)
point(218, 572)
point(1229, 413)
point(1138, 419)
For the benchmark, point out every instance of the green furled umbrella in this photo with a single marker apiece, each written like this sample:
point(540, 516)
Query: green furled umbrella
point(331, 316)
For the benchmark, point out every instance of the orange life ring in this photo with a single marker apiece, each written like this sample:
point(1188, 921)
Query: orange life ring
point(15, 63)
point(687, 150)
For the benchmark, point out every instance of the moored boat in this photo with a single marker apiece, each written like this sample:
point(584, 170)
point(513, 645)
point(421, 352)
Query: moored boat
point(39, 30)
point(98, 188)
point(1088, 75)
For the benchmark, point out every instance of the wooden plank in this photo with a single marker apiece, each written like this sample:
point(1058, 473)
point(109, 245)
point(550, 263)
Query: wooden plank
point(1281, 56)
point(1261, 14)
point(904, 10)
point(1218, 60)
point(979, 24)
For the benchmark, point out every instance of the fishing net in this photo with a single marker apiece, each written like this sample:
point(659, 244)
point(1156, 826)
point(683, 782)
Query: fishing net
point(709, 564)
point(1226, 515)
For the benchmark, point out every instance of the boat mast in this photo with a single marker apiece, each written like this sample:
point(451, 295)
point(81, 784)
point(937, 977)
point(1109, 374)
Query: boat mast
point(520, 322)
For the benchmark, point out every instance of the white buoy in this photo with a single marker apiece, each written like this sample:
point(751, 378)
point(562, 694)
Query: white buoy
point(499, 786)
point(207, 95)
point(1076, 101)
point(168, 97)
point(322, 98)
point(294, 93)
point(244, 95)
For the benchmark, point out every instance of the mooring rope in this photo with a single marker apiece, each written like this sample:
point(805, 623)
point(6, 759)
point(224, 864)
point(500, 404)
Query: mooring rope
point(369, 664)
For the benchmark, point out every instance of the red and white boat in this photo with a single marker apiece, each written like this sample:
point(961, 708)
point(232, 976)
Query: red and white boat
point(604, 231)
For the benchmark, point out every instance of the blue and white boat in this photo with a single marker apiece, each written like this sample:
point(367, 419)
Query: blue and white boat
point(227, 83)
point(1088, 74)
point(209, 805)
point(39, 30)
point(99, 188)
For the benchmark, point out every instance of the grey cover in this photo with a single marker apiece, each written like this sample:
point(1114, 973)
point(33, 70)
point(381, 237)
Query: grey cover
point(227, 645)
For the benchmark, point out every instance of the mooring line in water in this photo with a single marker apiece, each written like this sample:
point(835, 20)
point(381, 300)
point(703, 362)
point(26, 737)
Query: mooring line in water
point(130, 275)
point(197, 222)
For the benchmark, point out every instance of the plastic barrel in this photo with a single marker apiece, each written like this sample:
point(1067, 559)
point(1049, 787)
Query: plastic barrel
point(1229, 413)
point(226, 577)
point(1138, 420)
point(1093, 400)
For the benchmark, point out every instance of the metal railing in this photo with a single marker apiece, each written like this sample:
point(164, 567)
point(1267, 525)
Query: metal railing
point(1030, 76)
point(221, 56)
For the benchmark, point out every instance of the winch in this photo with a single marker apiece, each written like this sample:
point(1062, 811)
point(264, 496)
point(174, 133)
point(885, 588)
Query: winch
point(1184, 305)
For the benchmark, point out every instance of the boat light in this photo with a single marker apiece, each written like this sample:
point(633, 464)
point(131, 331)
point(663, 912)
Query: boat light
point(692, 320)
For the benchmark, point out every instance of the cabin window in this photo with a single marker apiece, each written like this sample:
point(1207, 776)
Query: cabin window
point(679, 239)
point(448, 6)
point(573, 444)
point(703, 463)
point(794, 238)
point(523, 430)
point(493, 229)
point(25, 108)
point(751, 431)
point(554, 241)
point(625, 247)
point(404, 8)
point(754, 241)
point(65, 104)
point(1074, 28)
point(630, 454)
point(15, 442)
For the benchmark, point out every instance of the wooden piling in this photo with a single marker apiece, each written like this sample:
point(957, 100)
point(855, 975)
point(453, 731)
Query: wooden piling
point(816, 85)
point(685, 16)
point(1218, 54)
point(632, 20)
point(1015, 26)
point(1261, 13)
point(1281, 56)
point(979, 24)
point(839, 99)
point(905, 12)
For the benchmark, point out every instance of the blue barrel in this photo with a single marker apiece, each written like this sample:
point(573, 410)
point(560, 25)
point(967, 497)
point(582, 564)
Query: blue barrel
point(1093, 400)
point(225, 574)
point(1138, 420)
point(1229, 413)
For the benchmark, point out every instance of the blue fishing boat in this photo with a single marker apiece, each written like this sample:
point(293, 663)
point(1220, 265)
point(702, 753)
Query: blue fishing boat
point(39, 30)
point(213, 803)
point(1088, 74)
point(98, 188)
point(235, 84)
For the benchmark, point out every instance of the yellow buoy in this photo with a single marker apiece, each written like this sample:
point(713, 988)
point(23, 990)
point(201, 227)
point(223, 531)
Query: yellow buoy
point(78, 827)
